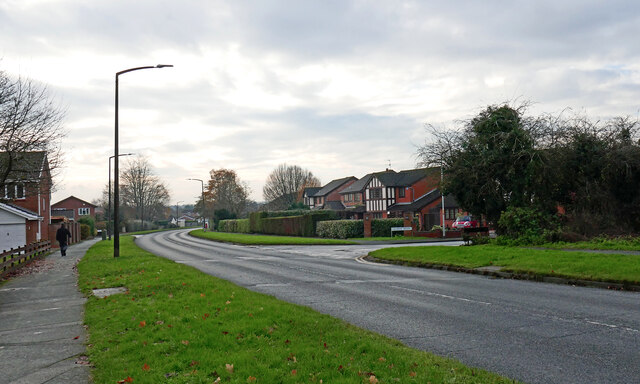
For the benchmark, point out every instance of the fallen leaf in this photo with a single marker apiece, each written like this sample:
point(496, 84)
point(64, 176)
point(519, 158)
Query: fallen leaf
point(76, 338)
point(202, 295)
point(251, 379)
point(146, 367)
point(193, 363)
point(228, 302)
point(143, 323)
point(185, 342)
point(412, 374)
point(294, 372)
point(217, 381)
point(373, 380)
point(229, 368)
point(382, 359)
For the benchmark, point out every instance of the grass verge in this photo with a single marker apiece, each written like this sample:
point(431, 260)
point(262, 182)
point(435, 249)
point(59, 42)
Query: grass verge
point(628, 243)
point(577, 265)
point(248, 239)
point(178, 325)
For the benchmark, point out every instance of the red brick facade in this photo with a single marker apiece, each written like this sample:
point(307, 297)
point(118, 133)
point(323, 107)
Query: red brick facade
point(80, 207)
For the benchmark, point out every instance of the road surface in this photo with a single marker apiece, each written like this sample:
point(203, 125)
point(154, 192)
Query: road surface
point(534, 332)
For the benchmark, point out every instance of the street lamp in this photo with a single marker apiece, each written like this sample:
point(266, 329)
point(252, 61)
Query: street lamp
point(178, 211)
point(109, 210)
point(204, 222)
point(116, 190)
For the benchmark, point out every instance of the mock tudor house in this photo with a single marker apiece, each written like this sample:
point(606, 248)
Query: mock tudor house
point(353, 197)
point(74, 208)
point(25, 209)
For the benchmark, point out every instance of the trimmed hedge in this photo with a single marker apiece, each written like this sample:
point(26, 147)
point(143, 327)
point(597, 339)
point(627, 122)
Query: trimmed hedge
point(382, 227)
point(289, 225)
point(340, 229)
point(234, 226)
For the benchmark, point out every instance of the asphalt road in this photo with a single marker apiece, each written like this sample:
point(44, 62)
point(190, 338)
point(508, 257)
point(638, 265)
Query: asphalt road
point(533, 332)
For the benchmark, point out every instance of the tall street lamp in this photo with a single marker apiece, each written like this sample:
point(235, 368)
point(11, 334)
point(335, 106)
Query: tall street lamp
point(178, 211)
point(116, 190)
point(109, 210)
point(204, 222)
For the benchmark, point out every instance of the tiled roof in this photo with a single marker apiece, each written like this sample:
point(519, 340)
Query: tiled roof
point(359, 185)
point(17, 210)
point(334, 184)
point(73, 197)
point(334, 206)
point(311, 191)
point(404, 178)
point(424, 200)
point(24, 165)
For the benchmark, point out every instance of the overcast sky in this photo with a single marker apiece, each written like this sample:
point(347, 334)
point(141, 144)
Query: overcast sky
point(342, 88)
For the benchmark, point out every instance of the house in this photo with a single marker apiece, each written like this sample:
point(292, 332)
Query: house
point(426, 210)
point(26, 193)
point(328, 197)
point(74, 208)
point(353, 197)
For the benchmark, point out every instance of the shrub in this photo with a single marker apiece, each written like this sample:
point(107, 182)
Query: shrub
point(382, 227)
point(234, 225)
point(528, 225)
point(288, 225)
point(340, 229)
point(88, 221)
point(85, 231)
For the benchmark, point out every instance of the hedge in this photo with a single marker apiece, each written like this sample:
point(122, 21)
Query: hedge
point(85, 231)
point(289, 225)
point(340, 229)
point(234, 225)
point(382, 227)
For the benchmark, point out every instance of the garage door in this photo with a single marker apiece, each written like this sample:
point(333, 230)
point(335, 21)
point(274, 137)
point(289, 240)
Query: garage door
point(12, 236)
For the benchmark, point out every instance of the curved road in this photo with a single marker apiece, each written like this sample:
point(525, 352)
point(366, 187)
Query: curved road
point(534, 332)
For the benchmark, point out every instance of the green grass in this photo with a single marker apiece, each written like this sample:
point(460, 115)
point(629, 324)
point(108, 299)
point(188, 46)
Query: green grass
point(579, 265)
point(628, 243)
point(178, 325)
point(394, 238)
point(243, 238)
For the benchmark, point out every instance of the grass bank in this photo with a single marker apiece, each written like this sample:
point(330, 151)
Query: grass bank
point(628, 243)
point(577, 265)
point(178, 325)
point(249, 239)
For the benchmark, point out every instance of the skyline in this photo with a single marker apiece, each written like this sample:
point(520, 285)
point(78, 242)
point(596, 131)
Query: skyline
point(338, 88)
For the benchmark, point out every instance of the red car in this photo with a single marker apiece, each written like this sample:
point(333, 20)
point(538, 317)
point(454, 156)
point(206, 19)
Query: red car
point(465, 222)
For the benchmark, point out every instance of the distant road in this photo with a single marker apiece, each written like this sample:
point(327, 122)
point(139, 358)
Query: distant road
point(534, 332)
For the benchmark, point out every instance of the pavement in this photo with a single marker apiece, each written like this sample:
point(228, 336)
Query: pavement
point(42, 337)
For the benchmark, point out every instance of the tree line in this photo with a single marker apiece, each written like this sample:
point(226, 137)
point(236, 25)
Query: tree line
point(541, 175)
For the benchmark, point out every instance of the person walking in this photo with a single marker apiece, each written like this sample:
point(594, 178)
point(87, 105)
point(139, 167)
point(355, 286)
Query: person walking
point(63, 235)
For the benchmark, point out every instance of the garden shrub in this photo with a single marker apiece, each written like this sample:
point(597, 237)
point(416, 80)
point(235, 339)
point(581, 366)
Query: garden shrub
point(382, 227)
point(85, 231)
point(340, 229)
point(521, 226)
point(88, 221)
point(234, 225)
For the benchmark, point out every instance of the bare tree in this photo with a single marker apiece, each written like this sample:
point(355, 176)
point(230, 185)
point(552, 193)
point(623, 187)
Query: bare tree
point(30, 122)
point(284, 184)
point(142, 192)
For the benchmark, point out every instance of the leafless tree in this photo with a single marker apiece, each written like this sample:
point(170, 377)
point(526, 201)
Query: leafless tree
point(30, 122)
point(285, 183)
point(141, 191)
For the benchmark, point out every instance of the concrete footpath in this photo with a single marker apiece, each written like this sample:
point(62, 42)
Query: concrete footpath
point(42, 337)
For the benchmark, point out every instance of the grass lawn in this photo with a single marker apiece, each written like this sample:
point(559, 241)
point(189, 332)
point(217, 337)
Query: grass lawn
point(580, 265)
point(621, 244)
point(178, 325)
point(243, 238)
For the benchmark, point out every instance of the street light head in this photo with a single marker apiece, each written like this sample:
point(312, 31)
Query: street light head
point(164, 65)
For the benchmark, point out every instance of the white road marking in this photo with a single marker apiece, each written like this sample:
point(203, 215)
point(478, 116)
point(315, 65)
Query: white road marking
point(361, 260)
point(440, 295)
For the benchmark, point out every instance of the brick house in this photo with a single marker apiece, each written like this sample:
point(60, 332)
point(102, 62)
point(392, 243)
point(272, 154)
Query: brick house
point(26, 193)
point(74, 208)
point(328, 197)
point(353, 197)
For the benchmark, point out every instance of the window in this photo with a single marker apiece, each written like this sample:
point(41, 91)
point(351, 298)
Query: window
point(377, 215)
point(83, 211)
point(450, 213)
point(375, 193)
point(357, 197)
point(401, 192)
point(19, 191)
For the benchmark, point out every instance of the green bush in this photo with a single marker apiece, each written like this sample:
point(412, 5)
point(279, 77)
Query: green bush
point(85, 231)
point(382, 227)
point(340, 229)
point(522, 226)
point(234, 226)
point(88, 221)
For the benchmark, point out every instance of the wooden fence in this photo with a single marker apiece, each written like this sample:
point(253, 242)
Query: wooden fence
point(16, 258)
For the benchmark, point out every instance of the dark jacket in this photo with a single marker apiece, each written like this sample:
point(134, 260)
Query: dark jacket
point(62, 235)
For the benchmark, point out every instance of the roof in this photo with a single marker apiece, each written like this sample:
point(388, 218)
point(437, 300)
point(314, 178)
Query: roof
point(423, 201)
point(311, 191)
point(359, 185)
point(333, 185)
point(23, 165)
point(334, 206)
point(404, 178)
point(73, 197)
point(19, 211)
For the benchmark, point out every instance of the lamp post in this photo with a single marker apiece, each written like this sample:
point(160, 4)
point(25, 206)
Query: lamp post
point(203, 206)
point(109, 210)
point(116, 190)
point(178, 211)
